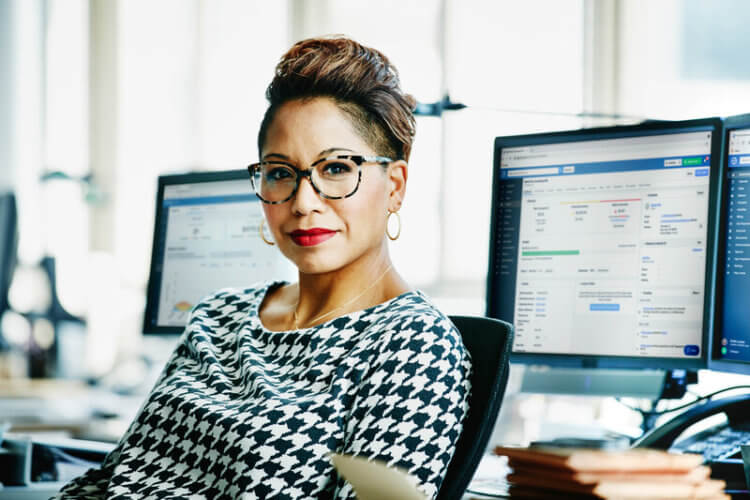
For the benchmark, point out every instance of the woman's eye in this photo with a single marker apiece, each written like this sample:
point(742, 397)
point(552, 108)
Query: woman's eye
point(336, 168)
point(278, 174)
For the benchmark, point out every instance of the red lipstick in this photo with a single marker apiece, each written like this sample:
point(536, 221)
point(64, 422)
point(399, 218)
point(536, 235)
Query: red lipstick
point(311, 237)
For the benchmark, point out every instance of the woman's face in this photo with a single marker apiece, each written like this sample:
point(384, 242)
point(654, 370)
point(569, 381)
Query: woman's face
point(346, 229)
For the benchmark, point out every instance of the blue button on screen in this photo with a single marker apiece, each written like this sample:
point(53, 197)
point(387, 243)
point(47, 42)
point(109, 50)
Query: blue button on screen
point(701, 172)
point(604, 307)
point(692, 350)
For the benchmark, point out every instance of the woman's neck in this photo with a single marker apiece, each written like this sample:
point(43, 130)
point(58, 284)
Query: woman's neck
point(364, 283)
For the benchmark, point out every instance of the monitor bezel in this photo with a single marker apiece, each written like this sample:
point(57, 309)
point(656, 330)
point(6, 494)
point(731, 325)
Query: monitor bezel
point(154, 275)
point(715, 361)
point(651, 127)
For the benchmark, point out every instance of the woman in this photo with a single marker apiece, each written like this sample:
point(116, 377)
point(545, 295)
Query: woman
point(267, 381)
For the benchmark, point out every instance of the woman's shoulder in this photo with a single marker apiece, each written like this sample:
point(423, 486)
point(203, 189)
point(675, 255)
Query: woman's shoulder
point(416, 308)
point(412, 321)
point(226, 296)
point(222, 314)
point(226, 300)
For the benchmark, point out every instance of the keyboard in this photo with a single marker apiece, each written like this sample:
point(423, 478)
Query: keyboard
point(720, 448)
point(716, 445)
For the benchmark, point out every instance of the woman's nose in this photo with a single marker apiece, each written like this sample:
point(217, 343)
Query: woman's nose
point(306, 199)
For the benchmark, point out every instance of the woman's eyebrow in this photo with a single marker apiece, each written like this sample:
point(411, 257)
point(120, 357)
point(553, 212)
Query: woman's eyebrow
point(328, 151)
point(325, 152)
point(277, 155)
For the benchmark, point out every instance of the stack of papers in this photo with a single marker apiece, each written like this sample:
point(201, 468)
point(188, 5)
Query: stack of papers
point(623, 475)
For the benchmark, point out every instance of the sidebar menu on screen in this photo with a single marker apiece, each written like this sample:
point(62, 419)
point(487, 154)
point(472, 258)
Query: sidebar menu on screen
point(736, 321)
point(508, 213)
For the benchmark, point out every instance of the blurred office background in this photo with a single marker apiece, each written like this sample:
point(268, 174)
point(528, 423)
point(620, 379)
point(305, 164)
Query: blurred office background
point(99, 97)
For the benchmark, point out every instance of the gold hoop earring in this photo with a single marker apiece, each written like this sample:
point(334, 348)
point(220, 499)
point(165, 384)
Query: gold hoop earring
point(387, 231)
point(262, 235)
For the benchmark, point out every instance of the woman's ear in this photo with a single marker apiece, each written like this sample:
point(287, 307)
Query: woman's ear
point(398, 172)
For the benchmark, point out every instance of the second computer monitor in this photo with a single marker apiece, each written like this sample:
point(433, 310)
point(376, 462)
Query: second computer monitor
point(602, 245)
point(731, 349)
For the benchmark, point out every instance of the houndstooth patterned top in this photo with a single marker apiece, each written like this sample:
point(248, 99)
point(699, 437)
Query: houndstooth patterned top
point(244, 412)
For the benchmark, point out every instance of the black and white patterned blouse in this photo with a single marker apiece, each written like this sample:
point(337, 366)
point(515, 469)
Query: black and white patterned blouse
point(244, 412)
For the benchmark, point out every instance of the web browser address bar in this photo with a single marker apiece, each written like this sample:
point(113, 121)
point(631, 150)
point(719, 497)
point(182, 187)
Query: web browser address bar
point(533, 171)
point(679, 149)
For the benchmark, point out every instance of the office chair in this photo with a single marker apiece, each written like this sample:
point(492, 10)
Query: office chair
point(488, 342)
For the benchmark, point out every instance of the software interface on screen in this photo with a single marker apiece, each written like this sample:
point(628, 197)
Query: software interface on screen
point(603, 245)
point(207, 239)
point(735, 335)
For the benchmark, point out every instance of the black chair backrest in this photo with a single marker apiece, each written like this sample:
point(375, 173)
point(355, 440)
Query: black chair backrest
point(488, 342)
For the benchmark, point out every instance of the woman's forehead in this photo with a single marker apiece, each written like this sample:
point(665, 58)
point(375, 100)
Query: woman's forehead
point(312, 127)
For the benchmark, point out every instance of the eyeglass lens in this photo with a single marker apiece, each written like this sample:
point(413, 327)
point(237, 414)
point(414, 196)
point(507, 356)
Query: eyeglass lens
point(334, 178)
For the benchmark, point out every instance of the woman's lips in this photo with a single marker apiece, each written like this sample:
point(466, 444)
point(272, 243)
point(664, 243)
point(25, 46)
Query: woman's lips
point(311, 237)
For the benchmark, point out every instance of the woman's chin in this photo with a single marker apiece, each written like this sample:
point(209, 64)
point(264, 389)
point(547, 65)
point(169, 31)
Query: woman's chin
point(316, 264)
point(311, 270)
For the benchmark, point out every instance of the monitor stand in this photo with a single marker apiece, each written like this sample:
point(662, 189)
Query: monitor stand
point(653, 385)
point(645, 384)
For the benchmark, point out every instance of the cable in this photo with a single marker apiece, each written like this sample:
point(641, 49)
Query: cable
point(686, 405)
point(572, 114)
point(446, 104)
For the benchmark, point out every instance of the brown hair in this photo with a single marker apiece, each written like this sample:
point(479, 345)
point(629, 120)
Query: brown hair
point(362, 82)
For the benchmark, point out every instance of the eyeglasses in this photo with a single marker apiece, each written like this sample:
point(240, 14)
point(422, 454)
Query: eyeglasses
point(333, 177)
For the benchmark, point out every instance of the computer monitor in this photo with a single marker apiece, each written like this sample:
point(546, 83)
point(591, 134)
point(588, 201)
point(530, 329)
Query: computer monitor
point(731, 346)
point(602, 248)
point(206, 237)
point(8, 244)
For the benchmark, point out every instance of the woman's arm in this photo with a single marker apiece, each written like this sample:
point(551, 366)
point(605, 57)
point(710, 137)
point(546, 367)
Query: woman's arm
point(94, 482)
point(409, 411)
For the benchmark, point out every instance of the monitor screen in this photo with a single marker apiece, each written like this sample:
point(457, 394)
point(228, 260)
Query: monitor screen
point(732, 336)
point(205, 238)
point(601, 252)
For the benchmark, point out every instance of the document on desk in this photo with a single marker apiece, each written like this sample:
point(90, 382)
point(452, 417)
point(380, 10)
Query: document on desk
point(374, 480)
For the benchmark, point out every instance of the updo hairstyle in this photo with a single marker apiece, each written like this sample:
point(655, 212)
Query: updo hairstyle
point(361, 81)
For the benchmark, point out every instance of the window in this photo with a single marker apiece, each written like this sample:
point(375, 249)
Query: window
point(683, 59)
